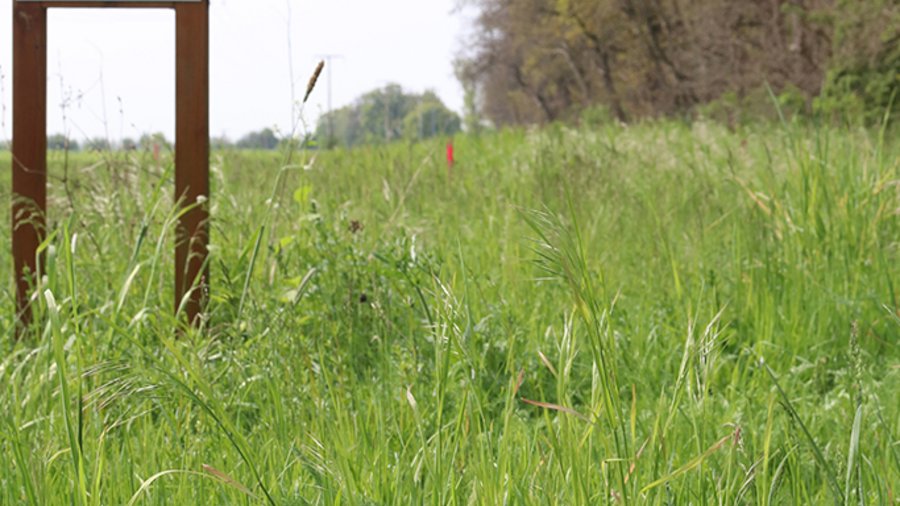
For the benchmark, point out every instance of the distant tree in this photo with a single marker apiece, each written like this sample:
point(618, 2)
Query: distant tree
point(382, 113)
point(97, 144)
point(147, 141)
point(465, 76)
point(57, 142)
point(342, 126)
point(220, 142)
point(387, 114)
point(430, 118)
point(4, 146)
point(61, 142)
point(128, 144)
point(263, 139)
point(308, 141)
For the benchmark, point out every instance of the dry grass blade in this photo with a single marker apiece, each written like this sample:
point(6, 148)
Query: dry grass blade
point(519, 380)
point(547, 363)
point(633, 466)
point(227, 479)
point(410, 399)
point(556, 407)
point(691, 464)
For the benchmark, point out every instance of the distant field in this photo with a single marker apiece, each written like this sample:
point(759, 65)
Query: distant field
point(656, 314)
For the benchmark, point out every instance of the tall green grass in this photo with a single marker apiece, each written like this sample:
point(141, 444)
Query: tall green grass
point(664, 313)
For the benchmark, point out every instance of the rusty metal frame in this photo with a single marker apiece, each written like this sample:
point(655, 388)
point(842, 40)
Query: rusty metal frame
point(29, 145)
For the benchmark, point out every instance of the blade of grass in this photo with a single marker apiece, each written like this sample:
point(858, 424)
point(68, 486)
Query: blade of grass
point(691, 464)
point(817, 452)
point(853, 455)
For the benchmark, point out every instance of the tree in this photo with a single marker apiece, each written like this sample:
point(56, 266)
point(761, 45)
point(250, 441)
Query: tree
point(430, 118)
point(148, 141)
point(97, 144)
point(535, 61)
point(471, 115)
point(220, 142)
point(263, 139)
point(387, 114)
point(382, 111)
point(864, 77)
point(61, 142)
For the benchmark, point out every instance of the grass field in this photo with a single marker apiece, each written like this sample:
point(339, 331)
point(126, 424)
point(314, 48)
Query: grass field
point(657, 314)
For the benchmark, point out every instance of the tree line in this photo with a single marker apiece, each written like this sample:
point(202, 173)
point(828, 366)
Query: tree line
point(387, 114)
point(382, 115)
point(535, 61)
point(265, 139)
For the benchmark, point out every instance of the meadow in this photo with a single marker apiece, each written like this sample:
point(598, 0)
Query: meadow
point(660, 313)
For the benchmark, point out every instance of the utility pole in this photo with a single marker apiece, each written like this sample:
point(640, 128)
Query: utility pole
point(328, 59)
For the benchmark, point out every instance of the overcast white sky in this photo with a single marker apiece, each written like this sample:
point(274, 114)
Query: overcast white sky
point(114, 68)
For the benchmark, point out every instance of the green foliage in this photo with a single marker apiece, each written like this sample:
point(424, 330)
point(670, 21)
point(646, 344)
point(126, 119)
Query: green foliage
point(97, 144)
point(61, 142)
point(430, 118)
point(863, 82)
point(148, 141)
point(128, 144)
point(864, 92)
point(658, 313)
point(472, 120)
point(385, 115)
point(595, 116)
point(220, 142)
point(540, 62)
point(756, 106)
point(263, 139)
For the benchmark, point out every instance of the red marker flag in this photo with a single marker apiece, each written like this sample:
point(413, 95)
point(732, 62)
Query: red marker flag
point(450, 154)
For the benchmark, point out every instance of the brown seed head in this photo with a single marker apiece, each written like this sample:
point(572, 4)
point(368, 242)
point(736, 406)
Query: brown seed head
point(312, 79)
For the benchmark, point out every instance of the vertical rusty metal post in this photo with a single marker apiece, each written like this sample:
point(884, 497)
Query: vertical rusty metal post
point(192, 156)
point(29, 147)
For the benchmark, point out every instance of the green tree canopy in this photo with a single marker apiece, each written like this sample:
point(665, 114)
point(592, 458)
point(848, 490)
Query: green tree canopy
point(430, 118)
point(128, 144)
point(387, 114)
point(147, 141)
point(263, 139)
point(97, 144)
point(61, 142)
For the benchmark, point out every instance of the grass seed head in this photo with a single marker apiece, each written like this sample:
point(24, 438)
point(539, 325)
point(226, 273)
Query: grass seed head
point(311, 85)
